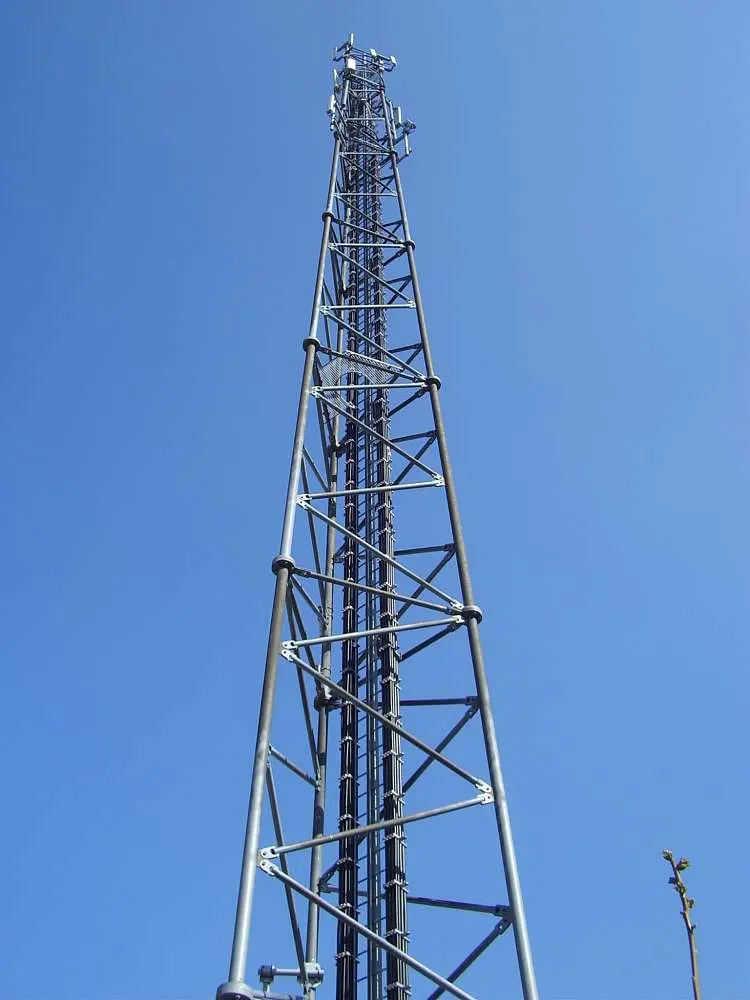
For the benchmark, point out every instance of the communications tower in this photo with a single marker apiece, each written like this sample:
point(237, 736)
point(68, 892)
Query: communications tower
point(384, 730)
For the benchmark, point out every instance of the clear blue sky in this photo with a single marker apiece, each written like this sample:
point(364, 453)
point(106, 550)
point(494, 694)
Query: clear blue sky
point(580, 197)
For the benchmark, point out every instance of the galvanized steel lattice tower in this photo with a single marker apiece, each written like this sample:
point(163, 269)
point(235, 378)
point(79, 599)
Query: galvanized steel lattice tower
point(375, 632)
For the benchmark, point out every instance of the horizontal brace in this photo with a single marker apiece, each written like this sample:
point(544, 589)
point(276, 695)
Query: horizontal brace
point(426, 702)
point(342, 387)
point(386, 488)
point(388, 723)
point(414, 437)
point(361, 831)
point(372, 246)
point(294, 768)
point(406, 347)
point(365, 588)
point(454, 620)
point(498, 910)
point(424, 548)
point(381, 942)
point(353, 307)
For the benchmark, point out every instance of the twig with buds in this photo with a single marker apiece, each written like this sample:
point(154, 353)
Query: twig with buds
point(678, 867)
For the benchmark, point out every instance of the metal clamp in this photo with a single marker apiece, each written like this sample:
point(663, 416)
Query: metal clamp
point(486, 792)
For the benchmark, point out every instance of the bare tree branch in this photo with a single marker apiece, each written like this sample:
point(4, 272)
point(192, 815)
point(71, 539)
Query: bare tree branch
point(678, 867)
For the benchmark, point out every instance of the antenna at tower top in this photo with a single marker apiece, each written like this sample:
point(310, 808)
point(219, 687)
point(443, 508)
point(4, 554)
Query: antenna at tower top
point(349, 50)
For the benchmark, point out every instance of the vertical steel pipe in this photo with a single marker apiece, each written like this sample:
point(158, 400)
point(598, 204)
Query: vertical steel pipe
point(282, 564)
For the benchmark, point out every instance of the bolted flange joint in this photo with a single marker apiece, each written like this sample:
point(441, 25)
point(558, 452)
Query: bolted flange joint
point(283, 562)
point(311, 342)
point(434, 380)
point(235, 991)
point(314, 974)
point(327, 215)
point(410, 243)
point(267, 974)
point(471, 612)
